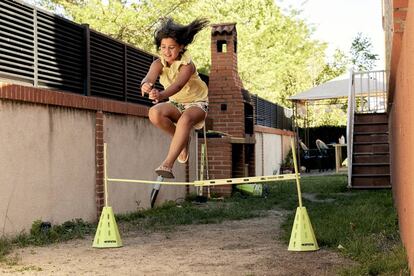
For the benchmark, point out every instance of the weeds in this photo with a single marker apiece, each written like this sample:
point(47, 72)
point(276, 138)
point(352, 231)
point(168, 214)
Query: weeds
point(43, 233)
point(5, 247)
point(363, 224)
point(170, 215)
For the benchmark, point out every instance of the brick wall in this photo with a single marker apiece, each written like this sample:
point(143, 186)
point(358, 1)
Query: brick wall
point(16, 92)
point(401, 112)
point(219, 152)
point(99, 161)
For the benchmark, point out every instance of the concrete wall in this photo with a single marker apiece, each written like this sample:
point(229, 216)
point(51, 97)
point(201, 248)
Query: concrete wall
point(51, 159)
point(272, 146)
point(135, 149)
point(47, 165)
point(51, 162)
point(402, 124)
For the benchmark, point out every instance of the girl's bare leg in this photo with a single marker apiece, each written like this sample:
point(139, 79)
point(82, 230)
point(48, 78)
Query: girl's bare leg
point(188, 119)
point(163, 116)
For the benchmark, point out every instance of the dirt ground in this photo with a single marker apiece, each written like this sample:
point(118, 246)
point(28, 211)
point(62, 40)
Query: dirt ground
point(247, 247)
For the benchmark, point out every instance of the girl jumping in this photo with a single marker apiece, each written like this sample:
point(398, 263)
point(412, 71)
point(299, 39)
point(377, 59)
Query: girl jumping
point(186, 93)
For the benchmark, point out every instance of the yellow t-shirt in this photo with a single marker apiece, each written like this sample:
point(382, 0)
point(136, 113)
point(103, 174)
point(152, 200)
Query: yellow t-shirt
point(195, 90)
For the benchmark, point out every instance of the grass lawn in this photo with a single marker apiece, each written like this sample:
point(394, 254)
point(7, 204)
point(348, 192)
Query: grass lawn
point(360, 224)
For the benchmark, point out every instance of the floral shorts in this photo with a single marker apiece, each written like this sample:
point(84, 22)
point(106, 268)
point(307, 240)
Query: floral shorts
point(183, 106)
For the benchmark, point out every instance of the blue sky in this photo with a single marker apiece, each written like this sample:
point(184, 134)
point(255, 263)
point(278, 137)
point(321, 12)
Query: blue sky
point(338, 22)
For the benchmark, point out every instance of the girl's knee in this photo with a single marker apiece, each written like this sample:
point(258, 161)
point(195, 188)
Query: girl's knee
point(154, 114)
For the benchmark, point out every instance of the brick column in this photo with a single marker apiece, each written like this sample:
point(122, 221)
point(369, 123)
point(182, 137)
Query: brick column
point(219, 162)
point(225, 87)
point(99, 161)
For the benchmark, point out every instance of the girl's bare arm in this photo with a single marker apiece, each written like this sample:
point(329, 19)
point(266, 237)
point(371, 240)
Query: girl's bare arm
point(148, 82)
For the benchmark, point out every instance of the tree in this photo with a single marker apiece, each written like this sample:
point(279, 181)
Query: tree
point(362, 57)
point(130, 21)
point(333, 69)
point(276, 55)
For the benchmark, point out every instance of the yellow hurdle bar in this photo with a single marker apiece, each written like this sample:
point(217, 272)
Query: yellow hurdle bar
point(149, 181)
point(198, 183)
point(214, 182)
point(244, 180)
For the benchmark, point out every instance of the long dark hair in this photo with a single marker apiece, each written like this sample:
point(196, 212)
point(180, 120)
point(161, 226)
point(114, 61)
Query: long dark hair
point(182, 34)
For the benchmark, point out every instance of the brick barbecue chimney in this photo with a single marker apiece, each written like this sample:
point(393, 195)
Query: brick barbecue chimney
point(230, 106)
point(230, 111)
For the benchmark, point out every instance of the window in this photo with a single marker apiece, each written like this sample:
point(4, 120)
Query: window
point(221, 46)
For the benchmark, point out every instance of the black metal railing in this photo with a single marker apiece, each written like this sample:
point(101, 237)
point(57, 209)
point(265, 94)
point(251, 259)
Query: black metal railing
point(59, 57)
point(17, 36)
point(270, 114)
point(46, 50)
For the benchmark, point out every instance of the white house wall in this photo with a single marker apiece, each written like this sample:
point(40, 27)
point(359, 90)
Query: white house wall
point(270, 151)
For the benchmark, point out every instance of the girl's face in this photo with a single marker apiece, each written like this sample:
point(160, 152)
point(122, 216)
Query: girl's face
point(170, 49)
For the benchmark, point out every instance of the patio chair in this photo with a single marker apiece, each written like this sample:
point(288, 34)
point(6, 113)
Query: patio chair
point(309, 158)
point(326, 155)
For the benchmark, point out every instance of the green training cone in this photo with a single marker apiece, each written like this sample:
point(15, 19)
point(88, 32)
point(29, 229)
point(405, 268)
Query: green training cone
point(107, 234)
point(251, 189)
point(302, 237)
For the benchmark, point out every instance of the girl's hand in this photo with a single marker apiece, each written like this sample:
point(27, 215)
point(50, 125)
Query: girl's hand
point(146, 88)
point(155, 95)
